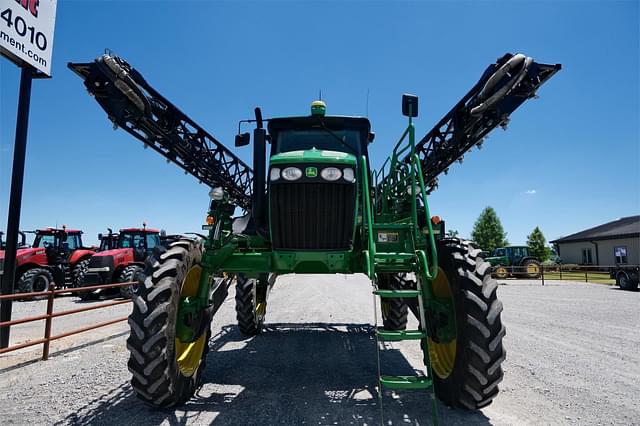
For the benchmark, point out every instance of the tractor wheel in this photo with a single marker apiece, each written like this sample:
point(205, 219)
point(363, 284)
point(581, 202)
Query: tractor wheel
point(394, 311)
point(625, 282)
point(165, 370)
point(532, 269)
point(132, 273)
point(250, 308)
point(501, 272)
point(35, 279)
point(78, 272)
point(467, 368)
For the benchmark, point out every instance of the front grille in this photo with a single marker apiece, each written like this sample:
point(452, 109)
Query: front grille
point(312, 216)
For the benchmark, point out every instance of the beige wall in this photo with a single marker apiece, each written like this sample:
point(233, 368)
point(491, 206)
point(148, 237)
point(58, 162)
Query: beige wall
point(572, 252)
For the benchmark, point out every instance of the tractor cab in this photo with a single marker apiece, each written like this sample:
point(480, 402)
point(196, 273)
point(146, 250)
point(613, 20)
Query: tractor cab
point(141, 240)
point(108, 241)
point(59, 244)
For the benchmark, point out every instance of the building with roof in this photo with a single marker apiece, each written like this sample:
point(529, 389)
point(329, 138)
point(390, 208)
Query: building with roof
point(613, 243)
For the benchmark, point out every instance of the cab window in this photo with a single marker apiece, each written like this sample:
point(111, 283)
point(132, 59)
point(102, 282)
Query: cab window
point(345, 140)
point(499, 252)
point(153, 240)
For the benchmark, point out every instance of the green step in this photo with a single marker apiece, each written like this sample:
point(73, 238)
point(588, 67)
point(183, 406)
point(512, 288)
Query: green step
point(395, 336)
point(394, 257)
point(397, 293)
point(405, 382)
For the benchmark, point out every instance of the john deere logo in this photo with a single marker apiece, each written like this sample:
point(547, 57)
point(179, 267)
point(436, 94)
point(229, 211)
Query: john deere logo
point(311, 172)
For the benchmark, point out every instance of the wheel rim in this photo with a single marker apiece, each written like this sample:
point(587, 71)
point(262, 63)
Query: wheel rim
point(532, 269)
point(41, 283)
point(189, 355)
point(501, 272)
point(443, 355)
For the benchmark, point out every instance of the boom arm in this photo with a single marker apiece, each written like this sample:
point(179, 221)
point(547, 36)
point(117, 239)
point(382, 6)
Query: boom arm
point(131, 103)
point(503, 87)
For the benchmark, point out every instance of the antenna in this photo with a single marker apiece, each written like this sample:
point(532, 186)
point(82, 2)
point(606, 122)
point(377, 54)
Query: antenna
point(367, 108)
point(320, 94)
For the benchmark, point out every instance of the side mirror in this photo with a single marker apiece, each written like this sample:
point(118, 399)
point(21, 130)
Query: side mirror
point(99, 237)
point(409, 105)
point(163, 233)
point(242, 139)
point(371, 137)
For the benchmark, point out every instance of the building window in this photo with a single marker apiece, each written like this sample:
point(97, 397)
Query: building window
point(620, 253)
point(587, 258)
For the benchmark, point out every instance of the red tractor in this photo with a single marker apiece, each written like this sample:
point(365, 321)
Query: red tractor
point(57, 255)
point(121, 264)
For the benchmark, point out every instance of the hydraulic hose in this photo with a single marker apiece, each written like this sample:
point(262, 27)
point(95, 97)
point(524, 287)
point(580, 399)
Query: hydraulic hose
point(516, 61)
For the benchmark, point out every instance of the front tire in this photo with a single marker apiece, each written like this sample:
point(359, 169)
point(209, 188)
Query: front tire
point(166, 371)
point(250, 310)
point(35, 279)
point(78, 272)
point(467, 370)
point(132, 273)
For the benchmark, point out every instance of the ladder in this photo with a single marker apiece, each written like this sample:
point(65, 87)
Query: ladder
point(409, 258)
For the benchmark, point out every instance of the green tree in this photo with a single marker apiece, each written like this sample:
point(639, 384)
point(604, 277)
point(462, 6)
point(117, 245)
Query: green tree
point(488, 232)
point(537, 244)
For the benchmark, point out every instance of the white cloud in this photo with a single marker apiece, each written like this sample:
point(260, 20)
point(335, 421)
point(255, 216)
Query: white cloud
point(530, 191)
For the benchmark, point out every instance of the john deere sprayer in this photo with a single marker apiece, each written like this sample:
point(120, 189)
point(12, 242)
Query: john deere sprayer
point(312, 203)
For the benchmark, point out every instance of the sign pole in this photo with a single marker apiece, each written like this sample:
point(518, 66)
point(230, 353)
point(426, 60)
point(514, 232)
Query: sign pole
point(15, 200)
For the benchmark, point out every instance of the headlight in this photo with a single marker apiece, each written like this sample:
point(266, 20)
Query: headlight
point(349, 175)
point(292, 173)
point(331, 173)
point(274, 174)
point(217, 193)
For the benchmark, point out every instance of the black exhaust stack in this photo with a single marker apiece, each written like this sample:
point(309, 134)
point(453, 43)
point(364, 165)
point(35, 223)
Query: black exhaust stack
point(259, 198)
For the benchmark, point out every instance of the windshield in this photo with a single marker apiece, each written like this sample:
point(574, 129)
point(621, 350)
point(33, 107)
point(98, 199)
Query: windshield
point(44, 240)
point(136, 240)
point(346, 140)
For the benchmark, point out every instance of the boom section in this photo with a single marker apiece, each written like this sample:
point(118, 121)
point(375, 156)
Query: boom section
point(503, 87)
point(131, 103)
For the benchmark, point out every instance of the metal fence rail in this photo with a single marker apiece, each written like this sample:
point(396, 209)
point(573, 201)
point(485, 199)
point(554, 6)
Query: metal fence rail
point(50, 315)
point(600, 274)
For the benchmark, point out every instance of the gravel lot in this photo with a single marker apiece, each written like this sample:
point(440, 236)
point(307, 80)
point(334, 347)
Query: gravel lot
point(573, 358)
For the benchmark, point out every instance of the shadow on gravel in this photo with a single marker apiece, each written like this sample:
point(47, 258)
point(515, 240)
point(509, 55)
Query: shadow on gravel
point(290, 374)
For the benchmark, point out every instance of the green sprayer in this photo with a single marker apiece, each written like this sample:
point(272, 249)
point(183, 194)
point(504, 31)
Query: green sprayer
point(314, 205)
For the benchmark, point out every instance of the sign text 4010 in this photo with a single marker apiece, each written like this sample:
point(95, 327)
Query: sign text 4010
point(35, 37)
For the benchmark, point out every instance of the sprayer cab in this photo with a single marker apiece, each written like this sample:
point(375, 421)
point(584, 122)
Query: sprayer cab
point(312, 180)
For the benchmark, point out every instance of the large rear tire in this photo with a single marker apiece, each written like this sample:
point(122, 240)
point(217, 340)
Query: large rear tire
point(166, 371)
point(394, 311)
point(250, 310)
point(625, 282)
point(532, 269)
point(468, 369)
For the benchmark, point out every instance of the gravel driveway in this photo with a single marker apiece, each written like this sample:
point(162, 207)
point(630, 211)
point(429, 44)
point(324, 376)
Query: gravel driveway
point(573, 358)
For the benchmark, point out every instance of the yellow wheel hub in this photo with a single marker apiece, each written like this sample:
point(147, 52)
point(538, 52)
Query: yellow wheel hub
point(532, 269)
point(189, 355)
point(501, 272)
point(443, 355)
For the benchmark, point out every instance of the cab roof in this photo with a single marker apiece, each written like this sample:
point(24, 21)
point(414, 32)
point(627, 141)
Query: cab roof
point(51, 230)
point(146, 230)
point(333, 122)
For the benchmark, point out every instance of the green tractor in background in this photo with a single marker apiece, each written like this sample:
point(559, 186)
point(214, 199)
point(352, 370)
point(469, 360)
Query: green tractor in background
point(514, 261)
point(315, 205)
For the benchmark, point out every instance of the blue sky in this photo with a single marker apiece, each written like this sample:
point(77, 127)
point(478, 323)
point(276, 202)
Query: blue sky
point(568, 161)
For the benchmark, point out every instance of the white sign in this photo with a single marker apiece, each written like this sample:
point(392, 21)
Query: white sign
point(26, 31)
